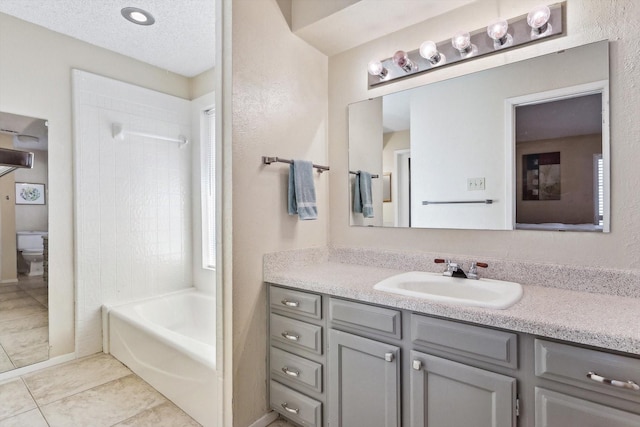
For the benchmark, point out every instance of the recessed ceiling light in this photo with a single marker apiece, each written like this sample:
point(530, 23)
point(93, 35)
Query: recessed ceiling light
point(137, 16)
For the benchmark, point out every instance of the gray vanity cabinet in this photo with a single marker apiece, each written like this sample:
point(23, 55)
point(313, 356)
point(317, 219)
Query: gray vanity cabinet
point(364, 382)
point(580, 384)
point(449, 394)
point(344, 363)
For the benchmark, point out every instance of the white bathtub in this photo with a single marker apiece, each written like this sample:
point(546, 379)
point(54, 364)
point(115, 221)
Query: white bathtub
point(169, 341)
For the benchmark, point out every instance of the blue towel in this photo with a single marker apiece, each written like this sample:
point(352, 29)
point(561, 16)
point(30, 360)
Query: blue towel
point(362, 198)
point(301, 196)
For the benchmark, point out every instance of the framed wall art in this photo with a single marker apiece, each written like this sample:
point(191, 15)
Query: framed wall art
point(30, 194)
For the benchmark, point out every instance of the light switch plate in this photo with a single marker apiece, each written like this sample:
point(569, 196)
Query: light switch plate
point(475, 184)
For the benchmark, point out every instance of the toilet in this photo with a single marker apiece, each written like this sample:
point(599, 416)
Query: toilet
point(30, 252)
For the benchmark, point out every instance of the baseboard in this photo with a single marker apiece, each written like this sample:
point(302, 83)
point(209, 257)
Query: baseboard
point(9, 281)
point(265, 420)
point(36, 366)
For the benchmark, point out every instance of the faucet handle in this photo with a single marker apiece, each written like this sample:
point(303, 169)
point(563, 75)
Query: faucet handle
point(473, 271)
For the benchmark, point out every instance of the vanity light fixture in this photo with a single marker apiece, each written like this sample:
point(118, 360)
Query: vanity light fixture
point(376, 68)
point(498, 30)
point(137, 16)
point(429, 51)
point(540, 24)
point(401, 59)
point(462, 42)
point(538, 20)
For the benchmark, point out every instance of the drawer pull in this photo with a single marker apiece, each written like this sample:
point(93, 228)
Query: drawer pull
point(285, 405)
point(290, 336)
point(290, 303)
point(630, 385)
point(290, 372)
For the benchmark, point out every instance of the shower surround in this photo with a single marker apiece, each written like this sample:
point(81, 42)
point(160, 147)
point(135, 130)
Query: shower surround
point(133, 199)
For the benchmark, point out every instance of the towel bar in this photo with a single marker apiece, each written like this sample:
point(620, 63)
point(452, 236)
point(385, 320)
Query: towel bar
point(485, 202)
point(268, 160)
point(356, 173)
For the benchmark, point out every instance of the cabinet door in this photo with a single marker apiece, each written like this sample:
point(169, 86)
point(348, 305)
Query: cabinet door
point(364, 382)
point(450, 394)
point(560, 410)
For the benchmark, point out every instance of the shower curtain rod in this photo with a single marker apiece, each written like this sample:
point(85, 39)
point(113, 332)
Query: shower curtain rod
point(119, 132)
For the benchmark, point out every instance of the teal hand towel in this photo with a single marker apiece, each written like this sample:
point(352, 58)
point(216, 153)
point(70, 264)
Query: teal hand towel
point(301, 195)
point(362, 196)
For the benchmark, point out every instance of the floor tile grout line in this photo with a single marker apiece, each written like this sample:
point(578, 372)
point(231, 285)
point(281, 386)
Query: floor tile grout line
point(34, 400)
point(81, 391)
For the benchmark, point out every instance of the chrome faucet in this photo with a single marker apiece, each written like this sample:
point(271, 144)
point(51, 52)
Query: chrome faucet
point(455, 269)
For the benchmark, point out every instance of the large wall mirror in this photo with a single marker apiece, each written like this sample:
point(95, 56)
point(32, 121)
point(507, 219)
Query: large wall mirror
point(24, 225)
point(520, 146)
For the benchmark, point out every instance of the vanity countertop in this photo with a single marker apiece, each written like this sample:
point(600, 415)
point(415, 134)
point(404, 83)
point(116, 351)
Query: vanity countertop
point(599, 320)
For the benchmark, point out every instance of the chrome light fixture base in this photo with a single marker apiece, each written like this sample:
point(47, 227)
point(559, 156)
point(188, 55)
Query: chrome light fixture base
point(520, 33)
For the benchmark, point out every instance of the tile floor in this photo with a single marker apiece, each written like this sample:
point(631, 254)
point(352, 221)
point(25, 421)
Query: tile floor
point(24, 320)
point(280, 422)
point(91, 392)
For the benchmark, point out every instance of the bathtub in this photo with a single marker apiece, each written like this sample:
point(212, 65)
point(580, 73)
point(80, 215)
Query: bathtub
point(169, 341)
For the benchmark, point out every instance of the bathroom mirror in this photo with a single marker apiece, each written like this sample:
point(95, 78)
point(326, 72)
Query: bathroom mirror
point(24, 224)
point(519, 146)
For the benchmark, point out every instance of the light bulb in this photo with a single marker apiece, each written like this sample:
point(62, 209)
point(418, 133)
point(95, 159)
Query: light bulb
point(498, 31)
point(401, 59)
point(429, 51)
point(538, 20)
point(462, 42)
point(375, 68)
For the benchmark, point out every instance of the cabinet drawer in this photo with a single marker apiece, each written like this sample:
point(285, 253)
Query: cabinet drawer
point(482, 344)
point(296, 406)
point(298, 370)
point(297, 302)
point(570, 365)
point(557, 409)
point(296, 333)
point(362, 317)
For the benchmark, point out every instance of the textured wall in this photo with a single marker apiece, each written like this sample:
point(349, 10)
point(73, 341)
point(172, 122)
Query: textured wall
point(279, 109)
point(587, 21)
point(44, 90)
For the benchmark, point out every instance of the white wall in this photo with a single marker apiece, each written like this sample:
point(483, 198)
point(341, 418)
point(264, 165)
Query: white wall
point(279, 109)
point(587, 21)
point(133, 199)
point(364, 155)
point(34, 217)
point(45, 92)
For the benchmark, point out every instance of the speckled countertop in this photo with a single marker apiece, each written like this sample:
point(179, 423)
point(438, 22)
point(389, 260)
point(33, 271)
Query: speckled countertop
point(596, 319)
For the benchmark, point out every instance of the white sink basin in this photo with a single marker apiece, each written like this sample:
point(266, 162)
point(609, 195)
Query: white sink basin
point(453, 290)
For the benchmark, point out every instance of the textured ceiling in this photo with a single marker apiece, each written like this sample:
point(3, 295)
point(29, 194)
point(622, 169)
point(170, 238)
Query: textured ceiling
point(182, 40)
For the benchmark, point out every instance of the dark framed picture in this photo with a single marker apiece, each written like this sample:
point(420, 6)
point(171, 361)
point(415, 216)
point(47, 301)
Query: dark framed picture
point(30, 194)
point(541, 176)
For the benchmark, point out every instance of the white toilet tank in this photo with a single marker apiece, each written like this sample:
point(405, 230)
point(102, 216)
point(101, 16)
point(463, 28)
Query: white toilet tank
point(30, 240)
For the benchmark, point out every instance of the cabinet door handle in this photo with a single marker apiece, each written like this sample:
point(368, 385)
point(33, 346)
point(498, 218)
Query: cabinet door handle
point(388, 357)
point(290, 372)
point(285, 405)
point(290, 336)
point(290, 303)
point(630, 385)
point(416, 365)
